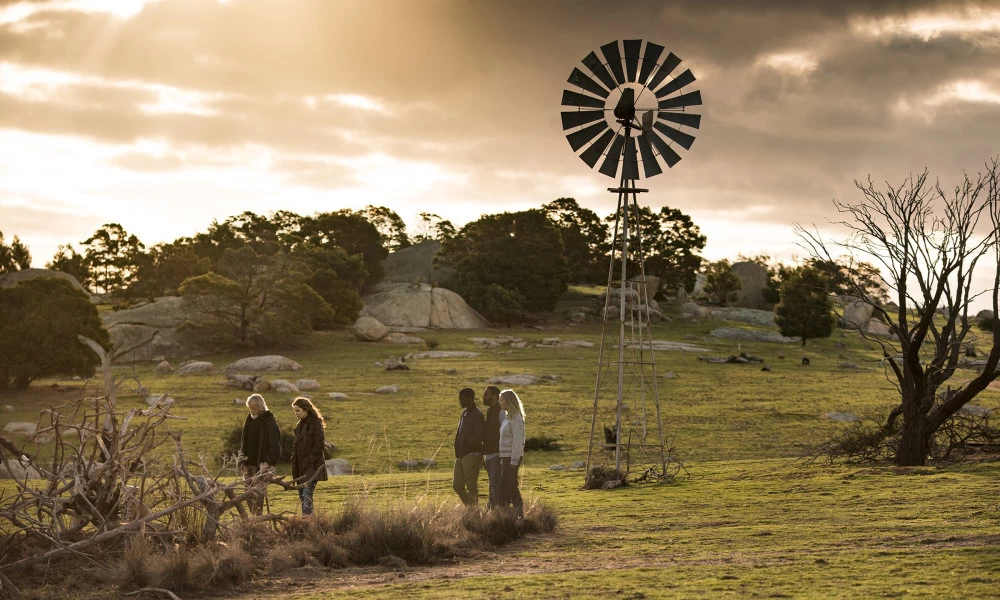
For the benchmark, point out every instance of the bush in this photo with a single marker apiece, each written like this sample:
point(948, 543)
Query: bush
point(985, 323)
point(541, 442)
point(598, 475)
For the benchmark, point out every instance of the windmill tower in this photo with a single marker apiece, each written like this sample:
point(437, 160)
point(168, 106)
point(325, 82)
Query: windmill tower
point(627, 109)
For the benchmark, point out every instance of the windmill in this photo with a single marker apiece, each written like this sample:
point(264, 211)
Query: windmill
point(626, 109)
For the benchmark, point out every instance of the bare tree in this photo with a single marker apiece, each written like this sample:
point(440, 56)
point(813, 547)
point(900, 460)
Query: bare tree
point(928, 244)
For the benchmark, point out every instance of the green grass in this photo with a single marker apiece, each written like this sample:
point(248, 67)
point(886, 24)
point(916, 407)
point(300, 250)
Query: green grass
point(751, 521)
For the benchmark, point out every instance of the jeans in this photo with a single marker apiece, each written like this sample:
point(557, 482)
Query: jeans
point(466, 478)
point(493, 471)
point(306, 497)
point(510, 494)
point(256, 501)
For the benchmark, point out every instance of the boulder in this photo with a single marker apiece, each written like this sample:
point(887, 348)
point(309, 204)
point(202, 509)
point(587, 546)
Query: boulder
point(261, 385)
point(409, 464)
point(307, 385)
point(579, 464)
point(163, 368)
point(856, 314)
point(753, 277)
point(23, 428)
point(151, 331)
point(521, 379)
point(369, 329)
point(691, 310)
point(338, 466)
point(984, 314)
point(752, 335)
point(12, 278)
point(12, 469)
point(761, 318)
point(337, 396)
point(195, 367)
point(162, 400)
point(397, 337)
point(557, 468)
point(652, 284)
point(429, 462)
point(843, 417)
point(975, 411)
point(877, 328)
point(269, 362)
point(445, 354)
point(387, 389)
point(396, 363)
point(284, 387)
point(422, 306)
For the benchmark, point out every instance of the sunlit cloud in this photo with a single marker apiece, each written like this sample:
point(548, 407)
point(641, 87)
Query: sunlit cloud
point(796, 63)
point(929, 25)
point(123, 9)
point(964, 91)
point(40, 85)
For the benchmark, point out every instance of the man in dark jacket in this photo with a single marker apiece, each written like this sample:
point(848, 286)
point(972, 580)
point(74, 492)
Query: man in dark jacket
point(491, 441)
point(468, 448)
point(260, 445)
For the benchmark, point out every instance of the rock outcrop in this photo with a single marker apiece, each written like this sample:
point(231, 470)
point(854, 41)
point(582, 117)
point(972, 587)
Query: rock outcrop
point(150, 331)
point(422, 306)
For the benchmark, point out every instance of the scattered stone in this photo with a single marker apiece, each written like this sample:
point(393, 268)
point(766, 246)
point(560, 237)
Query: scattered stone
point(762, 318)
point(243, 382)
point(163, 368)
point(369, 329)
point(429, 462)
point(261, 385)
point(856, 314)
point(551, 377)
point(400, 338)
point(239, 401)
point(519, 344)
point(8, 408)
point(387, 389)
point(445, 354)
point(752, 335)
point(578, 465)
point(12, 469)
point(975, 411)
point(781, 356)
point(765, 368)
point(142, 390)
point(843, 417)
point(611, 484)
point(24, 428)
point(557, 468)
point(339, 466)
point(337, 396)
point(847, 365)
point(156, 400)
point(396, 364)
point(690, 336)
point(270, 362)
point(521, 379)
point(494, 342)
point(805, 360)
point(970, 350)
point(664, 345)
point(284, 387)
point(409, 464)
point(307, 385)
point(691, 310)
point(195, 367)
point(670, 375)
point(877, 328)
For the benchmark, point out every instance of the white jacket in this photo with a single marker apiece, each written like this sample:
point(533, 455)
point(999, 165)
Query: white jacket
point(512, 438)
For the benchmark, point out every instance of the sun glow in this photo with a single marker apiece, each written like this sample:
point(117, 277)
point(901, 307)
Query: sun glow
point(122, 9)
point(927, 25)
point(799, 63)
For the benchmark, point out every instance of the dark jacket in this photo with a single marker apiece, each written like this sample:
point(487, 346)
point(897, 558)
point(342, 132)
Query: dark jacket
point(307, 453)
point(491, 438)
point(469, 437)
point(269, 442)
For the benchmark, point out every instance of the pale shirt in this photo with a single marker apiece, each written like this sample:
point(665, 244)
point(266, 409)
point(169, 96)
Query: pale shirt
point(512, 438)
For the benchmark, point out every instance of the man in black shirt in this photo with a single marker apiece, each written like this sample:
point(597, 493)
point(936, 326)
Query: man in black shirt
point(260, 445)
point(468, 448)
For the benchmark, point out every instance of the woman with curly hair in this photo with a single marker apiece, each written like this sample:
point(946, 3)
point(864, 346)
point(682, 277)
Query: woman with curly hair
point(308, 461)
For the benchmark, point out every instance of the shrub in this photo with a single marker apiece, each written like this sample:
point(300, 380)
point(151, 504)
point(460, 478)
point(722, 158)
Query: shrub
point(431, 343)
point(598, 475)
point(541, 442)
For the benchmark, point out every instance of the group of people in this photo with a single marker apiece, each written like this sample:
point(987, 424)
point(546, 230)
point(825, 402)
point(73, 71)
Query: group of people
point(495, 439)
point(260, 448)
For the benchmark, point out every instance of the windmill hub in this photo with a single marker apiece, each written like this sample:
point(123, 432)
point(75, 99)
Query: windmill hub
point(625, 109)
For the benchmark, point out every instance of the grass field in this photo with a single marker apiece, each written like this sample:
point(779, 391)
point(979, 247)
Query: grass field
point(751, 520)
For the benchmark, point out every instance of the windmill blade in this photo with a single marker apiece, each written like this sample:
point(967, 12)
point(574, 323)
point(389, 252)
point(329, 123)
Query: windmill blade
point(610, 165)
point(614, 58)
point(689, 119)
point(579, 139)
point(688, 99)
point(571, 98)
point(582, 81)
point(680, 81)
point(630, 162)
point(669, 64)
point(597, 68)
point(632, 48)
point(580, 117)
point(649, 164)
point(669, 155)
point(684, 139)
point(590, 155)
point(653, 52)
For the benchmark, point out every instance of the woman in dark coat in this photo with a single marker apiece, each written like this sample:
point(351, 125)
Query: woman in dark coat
point(308, 463)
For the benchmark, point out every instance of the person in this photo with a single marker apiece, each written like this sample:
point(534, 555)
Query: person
point(260, 445)
point(491, 442)
point(308, 461)
point(511, 451)
point(468, 448)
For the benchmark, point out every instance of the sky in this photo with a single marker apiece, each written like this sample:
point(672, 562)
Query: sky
point(163, 115)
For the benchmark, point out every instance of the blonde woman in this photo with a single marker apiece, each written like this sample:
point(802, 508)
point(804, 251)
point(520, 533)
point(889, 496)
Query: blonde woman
point(308, 464)
point(511, 451)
